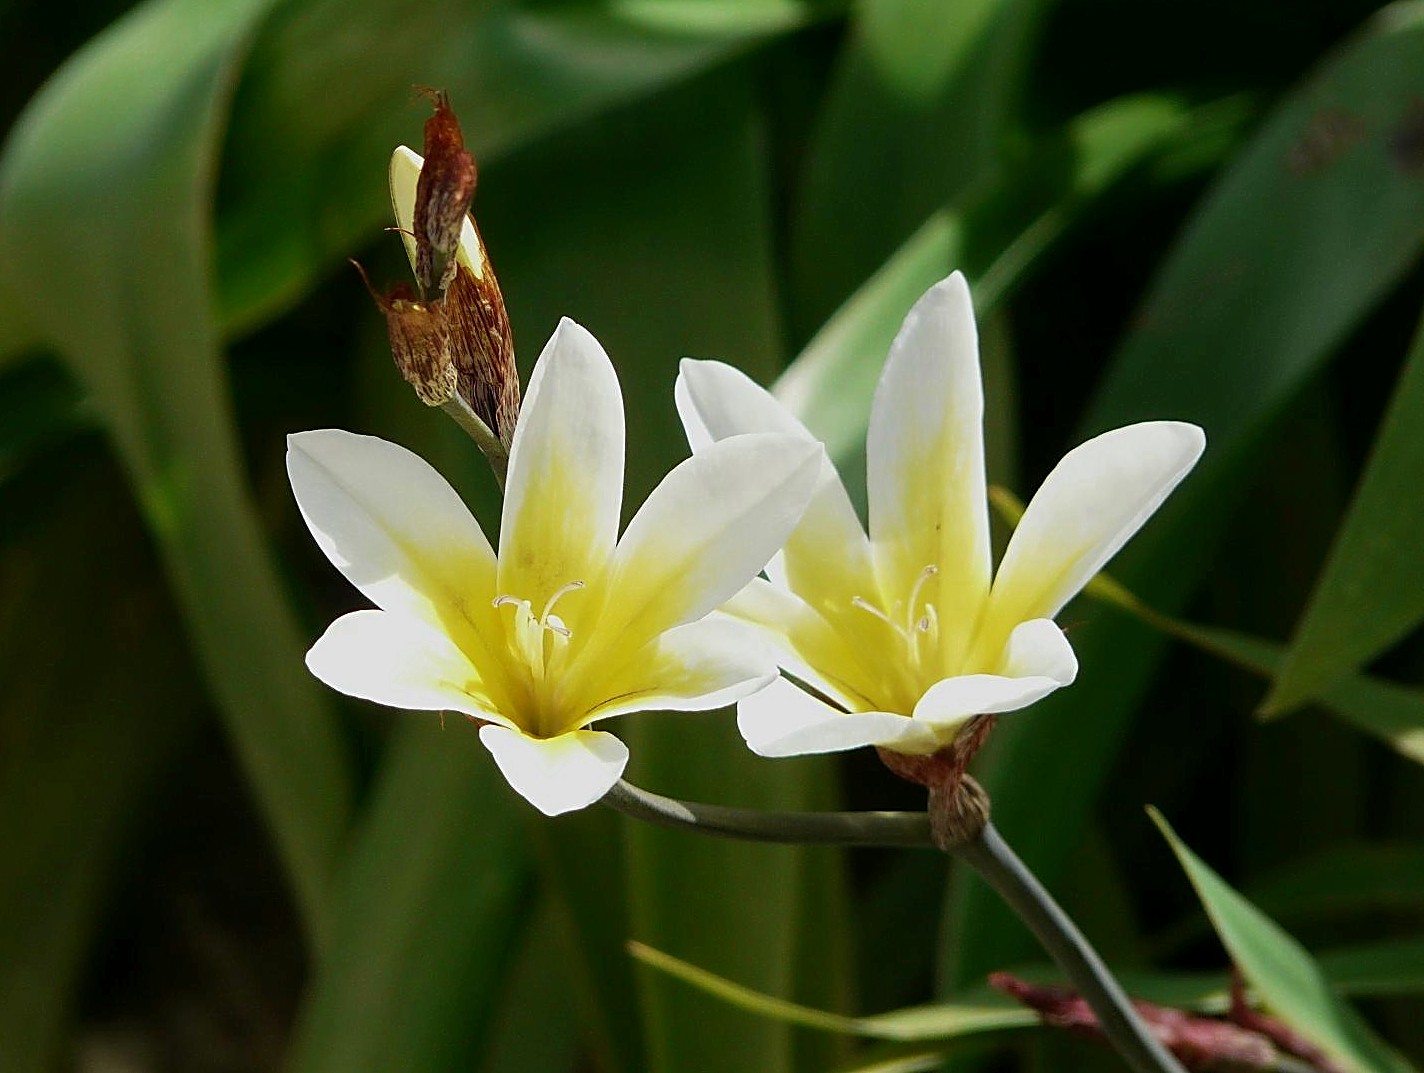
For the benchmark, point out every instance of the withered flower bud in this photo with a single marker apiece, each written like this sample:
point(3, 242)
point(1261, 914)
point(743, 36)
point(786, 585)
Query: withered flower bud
point(442, 198)
point(482, 347)
point(420, 342)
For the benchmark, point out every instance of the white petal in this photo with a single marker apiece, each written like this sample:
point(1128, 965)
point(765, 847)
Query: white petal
point(391, 525)
point(805, 644)
point(697, 667)
point(399, 661)
point(952, 701)
point(1093, 501)
point(783, 720)
point(1039, 647)
point(925, 464)
point(826, 560)
point(404, 175)
point(705, 531)
point(557, 775)
point(565, 485)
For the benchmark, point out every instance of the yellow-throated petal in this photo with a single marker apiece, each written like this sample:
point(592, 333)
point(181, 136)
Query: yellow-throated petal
point(702, 665)
point(806, 645)
point(925, 466)
point(826, 560)
point(565, 486)
point(399, 661)
point(783, 720)
point(400, 534)
point(705, 531)
point(561, 774)
point(404, 174)
point(1093, 501)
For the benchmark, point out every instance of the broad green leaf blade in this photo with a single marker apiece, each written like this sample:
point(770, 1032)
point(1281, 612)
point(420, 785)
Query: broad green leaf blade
point(918, 1023)
point(534, 1029)
point(315, 119)
point(1281, 972)
point(1372, 590)
point(96, 707)
point(104, 193)
point(436, 890)
point(924, 96)
point(831, 382)
point(1292, 249)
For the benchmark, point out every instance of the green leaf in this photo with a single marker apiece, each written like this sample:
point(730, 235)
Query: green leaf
point(431, 904)
point(304, 176)
point(1307, 230)
point(1281, 971)
point(96, 707)
point(997, 240)
point(922, 102)
point(1372, 590)
point(535, 1030)
point(104, 194)
point(917, 1023)
point(1392, 967)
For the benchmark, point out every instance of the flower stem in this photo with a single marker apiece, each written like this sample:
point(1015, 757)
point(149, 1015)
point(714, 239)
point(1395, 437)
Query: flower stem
point(754, 825)
point(990, 856)
point(986, 852)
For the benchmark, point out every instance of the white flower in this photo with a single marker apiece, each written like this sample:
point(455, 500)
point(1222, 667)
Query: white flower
point(903, 631)
point(569, 624)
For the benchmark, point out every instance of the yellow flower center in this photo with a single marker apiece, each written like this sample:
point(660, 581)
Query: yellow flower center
point(919, 626)
point(539, 641)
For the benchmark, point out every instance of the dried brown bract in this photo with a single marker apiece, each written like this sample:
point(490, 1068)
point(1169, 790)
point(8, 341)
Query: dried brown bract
point(442, 198)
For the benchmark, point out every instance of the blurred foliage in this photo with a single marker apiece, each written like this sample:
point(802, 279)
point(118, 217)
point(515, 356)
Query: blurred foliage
point(1212, 212)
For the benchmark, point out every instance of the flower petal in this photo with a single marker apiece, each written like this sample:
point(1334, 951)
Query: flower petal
point(404, 175)
point(703, 665)
point(399, 661)
point(1040, 647)
point(705, 531)
point(952, 701)
point(826, 560)
point(806, 645)
point(925, 465)
point(565, 485)
point(394, 528)
point(1093, 501)
point(783, 720)
point(557, 775)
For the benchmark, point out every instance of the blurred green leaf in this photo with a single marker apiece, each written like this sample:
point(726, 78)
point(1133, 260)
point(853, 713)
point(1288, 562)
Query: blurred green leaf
point(430, 909)
point(940, 1021)
point(921, 105)
point(104, 193)
point(1392, 967)
point(1392, 713)
point(328, 94)
point(39, 405)
point(1372, 590)
point(1281, 971)
point(1311, 225)
point(832, 381)
point(95, 708)
point(534, 1029)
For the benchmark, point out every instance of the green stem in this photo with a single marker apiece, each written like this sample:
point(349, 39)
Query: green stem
point(990, 856)
point(753, 825)
point(987, 853)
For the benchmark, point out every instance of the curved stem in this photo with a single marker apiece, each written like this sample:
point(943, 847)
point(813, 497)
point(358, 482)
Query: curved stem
point(990, 856)
point(755, 825)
